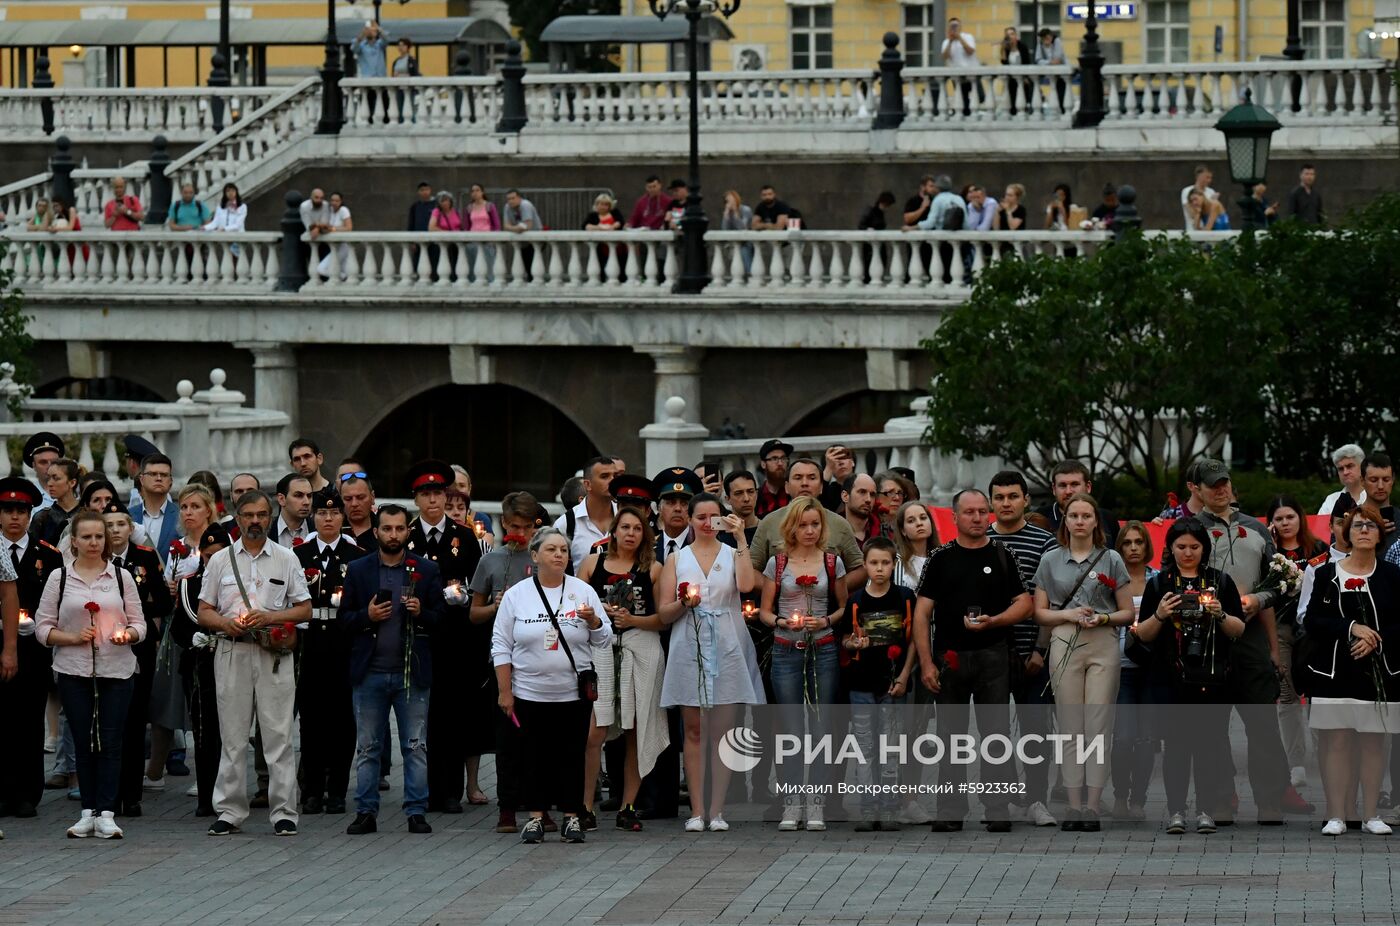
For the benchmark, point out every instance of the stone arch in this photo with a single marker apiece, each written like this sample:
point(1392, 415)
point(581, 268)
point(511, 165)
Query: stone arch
point(848, 412)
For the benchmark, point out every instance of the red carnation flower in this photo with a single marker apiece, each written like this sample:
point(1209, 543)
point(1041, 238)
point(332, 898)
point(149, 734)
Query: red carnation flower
point(950, 660)
point(1353, 584)
point(515, 538)
point(895, 652)
point(1108, 580)
point(178, 548)
point(298, 541)
point(806, 581)
point(1242, 532)
point(1172, 500)
point(92, 607)
point(311, 574)
point(1217, 534)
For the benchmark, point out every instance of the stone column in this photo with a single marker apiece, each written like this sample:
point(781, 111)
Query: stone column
point(276, 384)
point(671, 440)
point(677, 374)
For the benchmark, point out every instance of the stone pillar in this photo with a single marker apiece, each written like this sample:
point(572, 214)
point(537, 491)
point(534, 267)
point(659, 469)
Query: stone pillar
point(671, 441)
point(677, 374)
point(276, 383)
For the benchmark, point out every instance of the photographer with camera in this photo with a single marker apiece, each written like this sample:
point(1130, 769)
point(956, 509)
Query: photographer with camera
point(542, 648)
point(1191, 615)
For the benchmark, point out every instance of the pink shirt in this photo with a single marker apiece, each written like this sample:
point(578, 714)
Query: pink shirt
point(122, 223)
point(480, 218)
point(449, 222)
point(115, 608)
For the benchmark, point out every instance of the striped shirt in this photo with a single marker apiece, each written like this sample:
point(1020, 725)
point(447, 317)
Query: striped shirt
point(1027, 545)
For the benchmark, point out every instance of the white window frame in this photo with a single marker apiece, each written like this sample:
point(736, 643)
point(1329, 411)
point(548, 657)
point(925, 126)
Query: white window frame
point(811, 32)
point(1168, 28)
point(1320, 27)
point(930, 34)
point(1048, 11)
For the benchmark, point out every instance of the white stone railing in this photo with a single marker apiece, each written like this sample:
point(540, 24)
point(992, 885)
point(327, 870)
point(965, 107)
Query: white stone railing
point(142, 260)
point(418, 104)
point(181, 114)
point(740, 97)
point(209, 429)
point(1331, 92)
point(92, 189)
point(487, 262)
point(891, 262)
point(17, 199)
point(273, 127)
point(952, 96)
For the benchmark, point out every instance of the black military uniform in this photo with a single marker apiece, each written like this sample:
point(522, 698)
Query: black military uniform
point(156, 604)
point(464, 691)
point(23, 697)
point(197, 673)
point(324, 700)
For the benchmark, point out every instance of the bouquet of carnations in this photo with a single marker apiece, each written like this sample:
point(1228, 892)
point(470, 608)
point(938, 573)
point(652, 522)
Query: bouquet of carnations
point(1283, 576)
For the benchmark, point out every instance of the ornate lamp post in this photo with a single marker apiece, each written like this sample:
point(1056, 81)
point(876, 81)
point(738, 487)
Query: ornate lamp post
point(1248, 131)
point(1091, 111)
point(218, 69)
point(332, 106)
point(695, 273)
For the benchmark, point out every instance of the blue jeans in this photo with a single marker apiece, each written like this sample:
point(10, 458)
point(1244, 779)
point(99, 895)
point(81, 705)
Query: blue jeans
point(811, 677)
point(374, 696)
point(874, 715)
point(1136, 732)
point(98, 748)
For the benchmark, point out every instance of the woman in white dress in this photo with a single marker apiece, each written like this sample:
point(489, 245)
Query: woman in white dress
point(711, 667)
point(340, 222)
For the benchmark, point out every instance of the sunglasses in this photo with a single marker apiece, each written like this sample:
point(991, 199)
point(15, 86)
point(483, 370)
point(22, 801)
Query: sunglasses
point(346, 477)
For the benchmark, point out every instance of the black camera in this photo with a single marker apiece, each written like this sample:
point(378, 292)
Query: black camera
point(1193, 629)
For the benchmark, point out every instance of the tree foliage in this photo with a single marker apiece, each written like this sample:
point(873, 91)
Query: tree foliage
point(16, 346)
point(531, 16)
point(1145, 355)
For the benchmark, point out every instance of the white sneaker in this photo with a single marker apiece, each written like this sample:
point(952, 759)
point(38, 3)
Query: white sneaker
point(192, 791)
point(1376, 827)
point(914, 813)
point(1298, 776)
point(792, 817)
point(84, 827)
point(1334, 827)
point(717, 825)
point(149, 785)
point(107, 827)
point(1039, 815)
point(695, 825)
point(1205, 823)
point(815, 823)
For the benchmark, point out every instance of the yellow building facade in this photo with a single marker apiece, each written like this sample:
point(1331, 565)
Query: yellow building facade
point(784, 35)
point(182, 67)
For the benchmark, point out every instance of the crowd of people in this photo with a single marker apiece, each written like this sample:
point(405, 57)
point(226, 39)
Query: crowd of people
point(621, 640)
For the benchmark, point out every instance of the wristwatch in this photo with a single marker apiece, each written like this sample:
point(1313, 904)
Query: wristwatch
point(1042, 651)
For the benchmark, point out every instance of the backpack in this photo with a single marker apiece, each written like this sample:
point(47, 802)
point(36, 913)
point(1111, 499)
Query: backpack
point(953, 218)
point(780, 565)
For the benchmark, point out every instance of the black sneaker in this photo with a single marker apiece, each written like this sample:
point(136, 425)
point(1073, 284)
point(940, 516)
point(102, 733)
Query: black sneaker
point(998, 826)
point(223, 828)
point(627, 820)
point(417, 823)
point(452, 807)
point(1072, 821)
point(312, 804)
point(868, 826)
point(1089, 821)
point(946, 826)
point(588, 820)
point(363, 823)
point(532, 832)
point(572, 832)
point(284, 828)
point(129, 809)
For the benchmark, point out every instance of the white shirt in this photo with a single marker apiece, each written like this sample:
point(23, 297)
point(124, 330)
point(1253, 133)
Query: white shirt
point(1330, 501)
point(522, 638)
point(961, 57)
point(586, 533)
point(440, 527)
point(1309, 574)
point(672, 545)
point(6, 544)
point(312, 215)
point(274, 580)
point(153, 522)
point(284, 535)
point(229, 220)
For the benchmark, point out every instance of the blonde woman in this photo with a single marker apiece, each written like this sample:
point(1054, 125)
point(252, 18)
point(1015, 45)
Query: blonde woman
point(1082, 593)
point(915, 535)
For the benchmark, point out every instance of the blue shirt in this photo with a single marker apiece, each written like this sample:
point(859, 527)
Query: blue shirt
point(941, 203)
point(369, 57)
point(193, 213)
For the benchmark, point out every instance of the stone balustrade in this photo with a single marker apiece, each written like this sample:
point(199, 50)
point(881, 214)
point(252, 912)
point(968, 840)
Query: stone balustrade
point(209, 429)
point(421, 104)
point(943, 96)
point(154, 261)
point(181, 114)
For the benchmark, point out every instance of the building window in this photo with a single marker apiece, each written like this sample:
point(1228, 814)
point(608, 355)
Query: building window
point(1168, 31)
point(920, 37)
point(1323, 27)
point(1028, 11)
point(811, 38)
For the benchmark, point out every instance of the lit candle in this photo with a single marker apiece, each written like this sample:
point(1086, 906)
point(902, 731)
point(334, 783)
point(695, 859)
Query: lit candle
point(795, 622)
point(119, 634)
point(479, 528)
point(26, 623)
point(454, 592)
point(335, 597)
point(750, 610)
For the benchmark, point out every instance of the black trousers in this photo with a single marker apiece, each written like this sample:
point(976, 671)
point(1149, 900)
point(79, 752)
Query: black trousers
point(326, 711)
point(1253, 688)
point(22, 701)
point(553, 738)
point(1197, 744)
point(983, 678)
point(197, 677)
point(509, 766)
point(134, 734)
point(447, 752)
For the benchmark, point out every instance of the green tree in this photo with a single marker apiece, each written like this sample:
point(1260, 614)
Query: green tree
point(531, 16)
point(16, 346)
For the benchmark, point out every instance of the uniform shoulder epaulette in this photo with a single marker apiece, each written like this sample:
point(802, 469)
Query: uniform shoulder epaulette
point(45, 543)
point(1319, 559)
point(147, 549)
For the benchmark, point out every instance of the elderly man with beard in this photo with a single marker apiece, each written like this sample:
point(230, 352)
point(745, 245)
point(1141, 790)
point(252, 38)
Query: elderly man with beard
point(253, 589)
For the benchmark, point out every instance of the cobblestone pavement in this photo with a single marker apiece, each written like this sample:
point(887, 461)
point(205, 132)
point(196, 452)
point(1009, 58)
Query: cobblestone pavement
point(168, 871)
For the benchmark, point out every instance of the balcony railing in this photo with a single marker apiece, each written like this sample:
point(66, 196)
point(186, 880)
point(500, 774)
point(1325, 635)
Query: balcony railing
point(181, 114)
point(94, 261)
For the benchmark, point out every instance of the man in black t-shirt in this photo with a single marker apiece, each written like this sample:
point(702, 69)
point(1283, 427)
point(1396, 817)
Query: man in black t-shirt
point(972, 590)
point(771, 213)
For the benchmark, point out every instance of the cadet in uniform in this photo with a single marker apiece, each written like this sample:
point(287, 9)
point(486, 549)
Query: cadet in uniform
point(323, 679)
point(464, 693)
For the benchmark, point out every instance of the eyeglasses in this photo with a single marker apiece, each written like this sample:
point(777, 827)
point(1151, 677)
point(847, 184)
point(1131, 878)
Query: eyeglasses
point(892, 493)
point(1359, 525)
point(775, 459)
point(346, 477)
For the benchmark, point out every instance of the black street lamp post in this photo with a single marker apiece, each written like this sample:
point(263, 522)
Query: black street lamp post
point(332, 106)
point(1293, 51)
point(218, 70)
point(1091, 111)
point(695, 274)
point(1248, 131)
